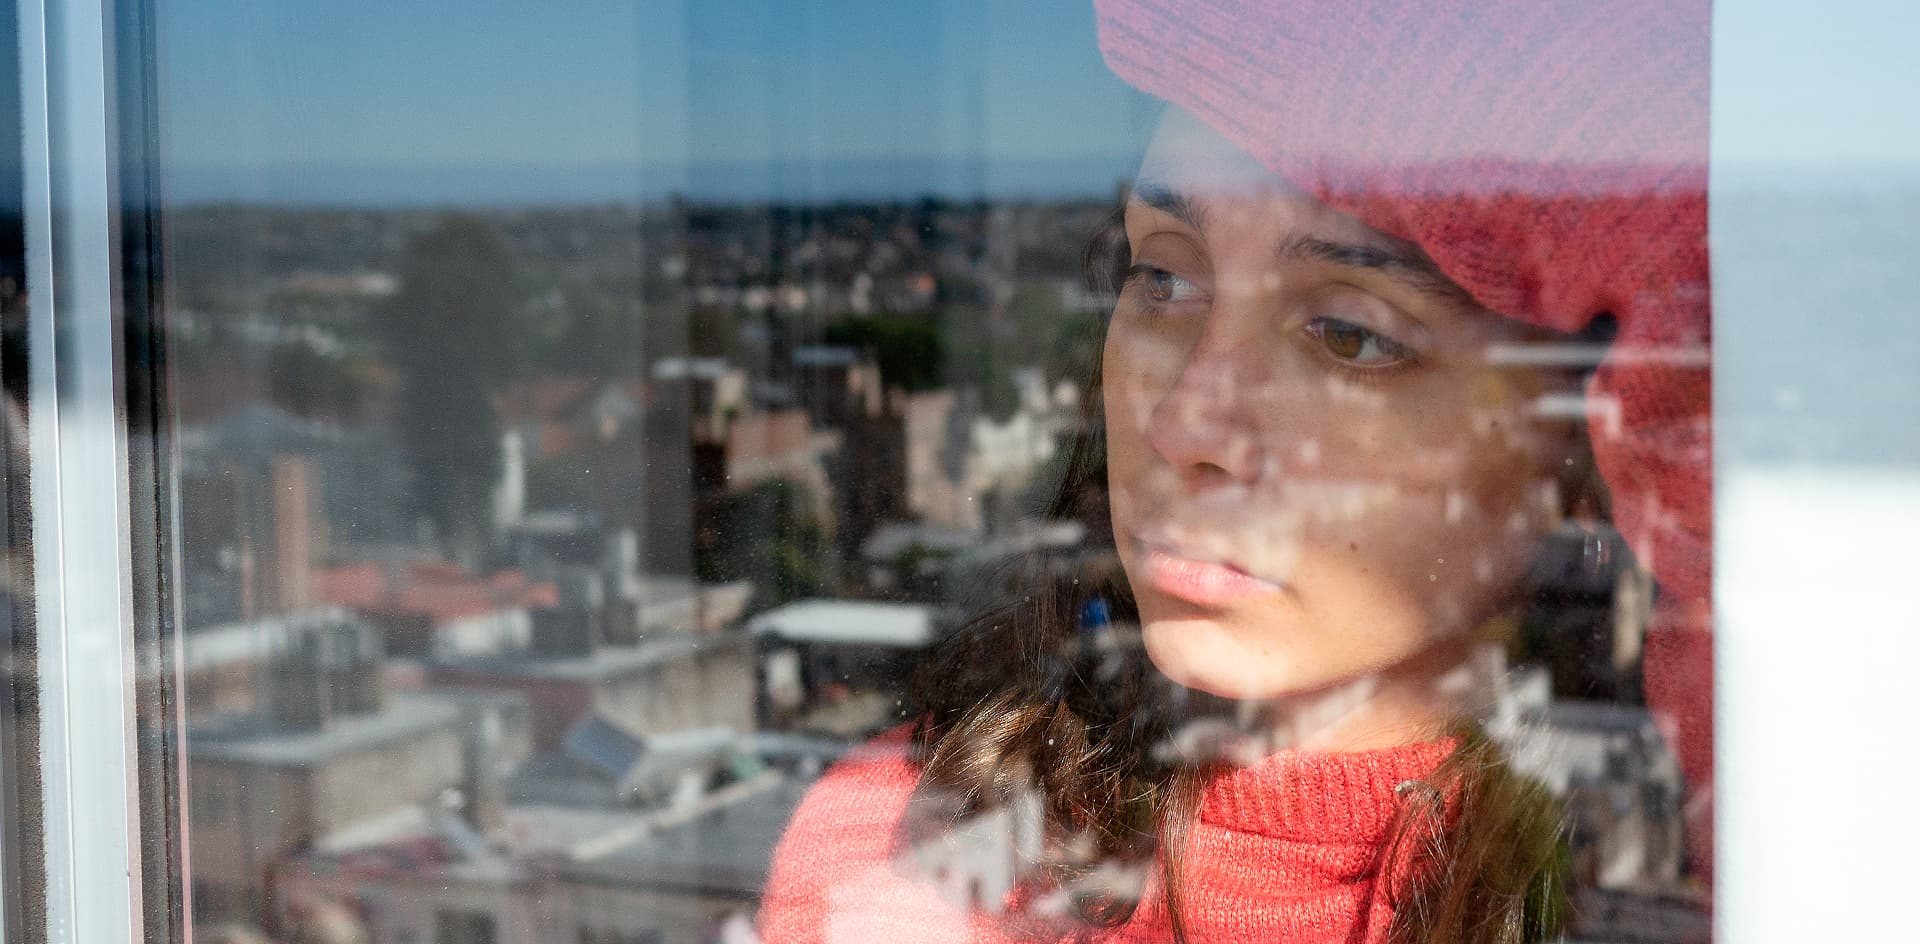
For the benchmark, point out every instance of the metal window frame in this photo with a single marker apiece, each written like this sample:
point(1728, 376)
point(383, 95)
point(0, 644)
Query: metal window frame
point(97, 478)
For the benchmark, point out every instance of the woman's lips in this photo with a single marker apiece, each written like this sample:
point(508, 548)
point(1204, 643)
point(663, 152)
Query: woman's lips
point(1204, 582)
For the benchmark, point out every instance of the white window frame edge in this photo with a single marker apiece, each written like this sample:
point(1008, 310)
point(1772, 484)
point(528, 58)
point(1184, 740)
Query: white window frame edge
point(1816, 635)
point(79, 493)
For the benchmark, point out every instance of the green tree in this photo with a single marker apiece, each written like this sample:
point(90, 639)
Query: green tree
point(585, 329)
point(981, 356)
point(452, 332)
point(310, 383)
point(1065, 344)
point(908, 349)
point(768, 535)
point(713, 332)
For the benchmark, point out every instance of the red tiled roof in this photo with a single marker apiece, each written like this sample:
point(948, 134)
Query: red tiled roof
point(440, 591)
point(556, 399)
point(547, 398)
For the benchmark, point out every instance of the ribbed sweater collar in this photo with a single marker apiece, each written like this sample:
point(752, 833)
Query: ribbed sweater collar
point(1320, 797)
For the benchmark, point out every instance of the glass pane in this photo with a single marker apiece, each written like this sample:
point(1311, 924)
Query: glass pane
point(683, 472)
point(19, 786)
point(1819, 469)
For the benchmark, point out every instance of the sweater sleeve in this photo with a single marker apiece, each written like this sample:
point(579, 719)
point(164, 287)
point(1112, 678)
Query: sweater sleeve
point(833, 876)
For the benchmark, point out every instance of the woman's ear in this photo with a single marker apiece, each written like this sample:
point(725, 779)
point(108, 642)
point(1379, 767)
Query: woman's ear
point(1601, 331)
point(1544, 507)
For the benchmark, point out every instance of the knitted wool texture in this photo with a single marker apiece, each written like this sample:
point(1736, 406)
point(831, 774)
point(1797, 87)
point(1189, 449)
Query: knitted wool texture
point(1286, 850)
point(1552, 159)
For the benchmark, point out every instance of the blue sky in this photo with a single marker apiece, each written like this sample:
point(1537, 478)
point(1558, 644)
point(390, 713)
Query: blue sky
point(1816, 83)
point(486, 100)
point(264, 98)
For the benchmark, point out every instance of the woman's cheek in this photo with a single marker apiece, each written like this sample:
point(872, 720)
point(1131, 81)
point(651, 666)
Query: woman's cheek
point(1425, 434)
point(1434, 552)
point(1141, 359)
point(1126, 427)
point(1362, 615)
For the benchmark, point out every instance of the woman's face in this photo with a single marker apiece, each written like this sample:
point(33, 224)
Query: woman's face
point(1319, 466)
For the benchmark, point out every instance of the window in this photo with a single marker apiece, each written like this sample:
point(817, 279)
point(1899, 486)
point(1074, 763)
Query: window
point(714, 472)
point(208, 806)
point(590, 935)
point(463, 927)
point(216, 904)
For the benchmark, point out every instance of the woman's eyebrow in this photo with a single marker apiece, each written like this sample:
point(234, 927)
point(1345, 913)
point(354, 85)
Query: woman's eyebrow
point(1171, 202)
point(1409, 266)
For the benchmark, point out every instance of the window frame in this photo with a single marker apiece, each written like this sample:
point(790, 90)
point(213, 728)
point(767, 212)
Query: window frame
point(102, 627)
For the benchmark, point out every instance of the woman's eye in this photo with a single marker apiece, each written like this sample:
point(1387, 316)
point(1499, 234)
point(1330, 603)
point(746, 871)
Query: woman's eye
point(1160, 286)
point(1362, 347)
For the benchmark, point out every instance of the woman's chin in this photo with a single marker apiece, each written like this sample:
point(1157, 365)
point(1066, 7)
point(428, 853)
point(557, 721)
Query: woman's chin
point(1209, 656)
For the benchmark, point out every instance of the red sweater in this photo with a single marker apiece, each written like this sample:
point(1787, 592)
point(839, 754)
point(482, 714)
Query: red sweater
point(1286, 850)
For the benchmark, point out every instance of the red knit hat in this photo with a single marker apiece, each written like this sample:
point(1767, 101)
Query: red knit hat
point(1552, 158)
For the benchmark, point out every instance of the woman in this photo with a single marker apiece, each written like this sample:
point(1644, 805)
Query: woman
point(1355, 243)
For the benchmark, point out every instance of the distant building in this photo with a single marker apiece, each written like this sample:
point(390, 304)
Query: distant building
point(672, 682)
point(1657, 916)
point(255, 535)
point(432, 609)
point(601, 577)
point(361, 284)
point(966, 571)
point(605, 766)
point(1592, 605)
point(225, 669)
point(628, 442)
point(717, 391)
point(326, 750)
point(837, 384)
point(1003, 455)
point(674, 875)
point(269, 496)
point(906, 560)
point(565, 415)
point(837, 666)
point(1618, 781)
point(936, 443)
point(757, 447)
point(984, 854)
point(698, 870)
point(937, 458)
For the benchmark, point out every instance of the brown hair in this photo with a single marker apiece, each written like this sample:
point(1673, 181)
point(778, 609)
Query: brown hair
point(1021, 699)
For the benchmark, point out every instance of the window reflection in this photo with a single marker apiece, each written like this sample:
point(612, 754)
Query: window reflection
point(541, 553)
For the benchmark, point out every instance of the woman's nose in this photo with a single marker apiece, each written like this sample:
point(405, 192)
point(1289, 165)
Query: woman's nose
point(1204, 425)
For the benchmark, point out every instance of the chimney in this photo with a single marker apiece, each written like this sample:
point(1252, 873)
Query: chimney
point(358, 687)
point(322, 669)
point(298, 689)
point(482, 781)
point(510, 491)
point(623, 553)
point(621, 568)
point(293, 521)
point(574, 627)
